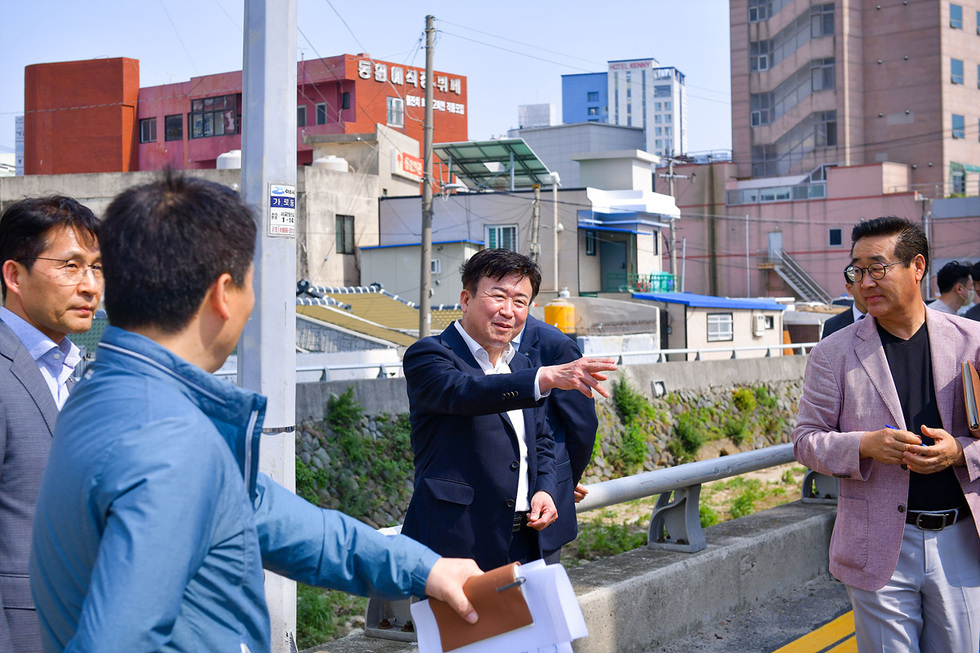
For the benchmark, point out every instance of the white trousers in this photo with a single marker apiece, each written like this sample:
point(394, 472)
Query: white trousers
point(932, 602)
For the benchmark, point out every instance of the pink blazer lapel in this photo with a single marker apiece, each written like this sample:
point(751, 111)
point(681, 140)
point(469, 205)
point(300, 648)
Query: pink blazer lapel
point(869, 352)
point(945, 366)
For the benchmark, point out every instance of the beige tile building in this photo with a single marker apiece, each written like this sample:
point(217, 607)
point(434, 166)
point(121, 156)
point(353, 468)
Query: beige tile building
point(855, 82)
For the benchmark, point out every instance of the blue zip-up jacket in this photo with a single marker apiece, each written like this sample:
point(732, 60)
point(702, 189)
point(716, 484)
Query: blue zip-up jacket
point(153, 524)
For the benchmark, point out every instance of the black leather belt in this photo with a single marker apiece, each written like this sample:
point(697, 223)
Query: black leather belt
point(936, 520)
point(519, 520)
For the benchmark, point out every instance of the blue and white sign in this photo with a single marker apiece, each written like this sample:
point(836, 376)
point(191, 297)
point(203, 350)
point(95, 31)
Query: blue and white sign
point(282, 210)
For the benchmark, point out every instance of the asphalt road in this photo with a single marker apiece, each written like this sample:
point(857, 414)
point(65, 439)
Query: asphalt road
point(771, 625)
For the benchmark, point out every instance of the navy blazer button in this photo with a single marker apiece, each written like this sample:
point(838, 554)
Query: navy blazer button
point(510, 503)
point(901, 508)
point(515, 465)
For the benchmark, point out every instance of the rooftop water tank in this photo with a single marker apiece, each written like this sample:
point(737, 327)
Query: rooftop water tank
point(230, 160)
point(331, 162)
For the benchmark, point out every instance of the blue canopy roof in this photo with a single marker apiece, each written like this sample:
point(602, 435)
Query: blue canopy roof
point(707, 301)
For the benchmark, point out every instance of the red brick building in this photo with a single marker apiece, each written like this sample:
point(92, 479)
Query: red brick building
point(81, 116)
point(91, 116)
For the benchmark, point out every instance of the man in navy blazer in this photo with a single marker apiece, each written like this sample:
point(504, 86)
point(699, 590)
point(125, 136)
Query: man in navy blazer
point(485, 479)
point(848, 317)
point(573, 422)
point(52, 282)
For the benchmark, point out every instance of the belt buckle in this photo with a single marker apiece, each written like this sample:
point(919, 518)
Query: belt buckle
point(518, 521)
point(943, 517)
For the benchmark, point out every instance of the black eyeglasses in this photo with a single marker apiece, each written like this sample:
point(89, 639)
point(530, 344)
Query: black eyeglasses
point(876, 271)
point(72, 270)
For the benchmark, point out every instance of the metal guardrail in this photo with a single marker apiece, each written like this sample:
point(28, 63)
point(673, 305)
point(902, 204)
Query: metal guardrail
point(675, 524)
point(386, 370)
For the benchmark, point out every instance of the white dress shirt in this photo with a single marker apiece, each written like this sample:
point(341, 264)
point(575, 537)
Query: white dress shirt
point(521, 501)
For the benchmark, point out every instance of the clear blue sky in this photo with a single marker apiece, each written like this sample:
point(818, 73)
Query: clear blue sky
point(511, 51)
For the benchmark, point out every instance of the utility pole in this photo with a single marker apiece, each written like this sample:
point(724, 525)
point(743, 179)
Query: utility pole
point(670, 177)
point(536, 224)
point(425, 286)
point(267, 349)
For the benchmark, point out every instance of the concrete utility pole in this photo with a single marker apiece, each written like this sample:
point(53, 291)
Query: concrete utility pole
point(267, 350)
point(536, 224)
point(670, 177)
point(425, 286)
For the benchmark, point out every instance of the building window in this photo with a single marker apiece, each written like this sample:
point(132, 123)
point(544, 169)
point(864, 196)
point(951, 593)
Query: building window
point(955, 16)
point(661, 91)
point(821, 21)
point(436, 266)
point(590, 243)
point(396, 112)
point(301, 116)
point(978, 22)
point(956, 71)
point(761, 109)
point(826, 128)
point(959, 126)
point(148, 130)
point(759, 10)
point(957, 179)
point(593, 96)
point(836, 237)
point(759, 55)
point(321, 113)
point(345, 234)
point(593, 111)
point(822, 74)
point(345, 100)
point(720, 327)
point(504, 236)
point(214, 116)
point(174, 128)
point(770, 322)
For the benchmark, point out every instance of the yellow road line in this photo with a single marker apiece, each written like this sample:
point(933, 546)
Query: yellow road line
point(834, 637)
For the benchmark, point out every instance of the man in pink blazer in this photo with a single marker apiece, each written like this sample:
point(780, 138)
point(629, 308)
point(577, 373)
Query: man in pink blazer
point(883, 411)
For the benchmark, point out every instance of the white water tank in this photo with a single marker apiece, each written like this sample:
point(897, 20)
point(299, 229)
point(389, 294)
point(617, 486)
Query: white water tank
point(331, 162)
point(230, 160)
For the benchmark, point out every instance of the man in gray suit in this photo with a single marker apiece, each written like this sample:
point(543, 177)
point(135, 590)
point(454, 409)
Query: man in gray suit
point(51, 281)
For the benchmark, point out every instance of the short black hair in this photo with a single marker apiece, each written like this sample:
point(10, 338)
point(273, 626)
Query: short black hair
point(912, 239)
point(26, 224)
point(497, 264)
point(975, 271)
point(951, 274)
point(165, 243)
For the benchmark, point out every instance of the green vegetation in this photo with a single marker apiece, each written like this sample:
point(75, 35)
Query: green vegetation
point(707, 515)
point(744, 400)
point(600, 540)
point(764, 397)
point(637, 416)
point(320, 613)
point(737, 429)
point(690, 432)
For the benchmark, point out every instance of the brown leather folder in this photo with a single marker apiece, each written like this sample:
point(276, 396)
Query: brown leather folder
point(971, 395)
point(497, 598)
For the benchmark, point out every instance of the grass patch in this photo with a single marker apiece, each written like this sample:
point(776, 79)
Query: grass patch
point(321, 614)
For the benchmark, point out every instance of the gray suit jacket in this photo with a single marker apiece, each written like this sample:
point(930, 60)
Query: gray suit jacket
point(27, 416)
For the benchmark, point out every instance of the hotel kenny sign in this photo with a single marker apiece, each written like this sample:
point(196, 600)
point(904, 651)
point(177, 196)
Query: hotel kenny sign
point(400, 76)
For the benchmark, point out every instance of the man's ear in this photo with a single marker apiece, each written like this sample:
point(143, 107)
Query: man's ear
point(217, 297)
point(11, 275)
point(464, 298)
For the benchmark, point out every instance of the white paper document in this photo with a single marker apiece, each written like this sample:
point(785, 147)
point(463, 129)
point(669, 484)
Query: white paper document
point(555, 612)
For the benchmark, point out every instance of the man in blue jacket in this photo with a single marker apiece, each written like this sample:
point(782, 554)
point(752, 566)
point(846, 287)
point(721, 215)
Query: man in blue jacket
point(573, 422)
point(485, 480)
point(153, 524)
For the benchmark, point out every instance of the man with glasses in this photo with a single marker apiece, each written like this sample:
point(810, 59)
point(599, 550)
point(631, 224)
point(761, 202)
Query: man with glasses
point(883, 412)
point(52, 282)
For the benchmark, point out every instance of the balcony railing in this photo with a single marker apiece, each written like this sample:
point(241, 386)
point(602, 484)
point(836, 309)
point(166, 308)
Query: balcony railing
point(653, 282)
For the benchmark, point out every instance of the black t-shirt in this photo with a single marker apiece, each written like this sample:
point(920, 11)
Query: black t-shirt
point(910, 362)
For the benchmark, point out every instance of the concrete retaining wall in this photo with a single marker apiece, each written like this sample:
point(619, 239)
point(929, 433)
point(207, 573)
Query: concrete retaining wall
point(389, 395)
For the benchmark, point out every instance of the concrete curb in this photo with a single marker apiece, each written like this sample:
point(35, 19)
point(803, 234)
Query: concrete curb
point(642, 598)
